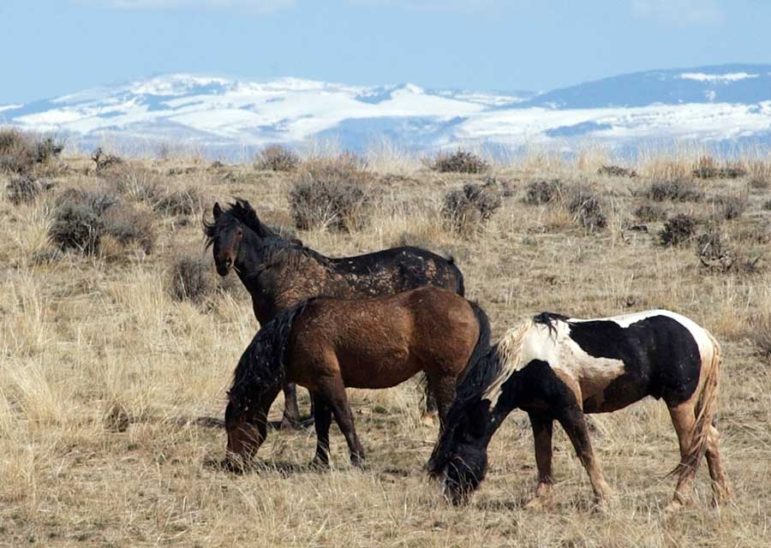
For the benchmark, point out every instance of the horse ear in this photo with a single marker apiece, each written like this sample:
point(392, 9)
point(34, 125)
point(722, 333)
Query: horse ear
point(217, 210)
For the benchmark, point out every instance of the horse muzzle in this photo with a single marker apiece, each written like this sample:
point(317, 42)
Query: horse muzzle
point(223, 267)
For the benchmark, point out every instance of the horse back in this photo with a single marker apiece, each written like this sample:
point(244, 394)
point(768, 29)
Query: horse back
point(619, 360)
point(381, 342)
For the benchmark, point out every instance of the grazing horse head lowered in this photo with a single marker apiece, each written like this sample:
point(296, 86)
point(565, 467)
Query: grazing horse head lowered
point(559, 368)
point(328, 344)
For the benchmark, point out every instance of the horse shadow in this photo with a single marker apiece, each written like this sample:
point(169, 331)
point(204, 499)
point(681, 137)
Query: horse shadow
point(280, 468)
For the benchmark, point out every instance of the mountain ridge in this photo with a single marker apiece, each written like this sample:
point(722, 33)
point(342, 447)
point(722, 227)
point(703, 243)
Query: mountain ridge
point(717, 104)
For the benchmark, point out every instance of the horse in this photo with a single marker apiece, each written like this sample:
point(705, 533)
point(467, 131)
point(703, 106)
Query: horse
point(327, 344)
point(280, 272)
point(559, 368)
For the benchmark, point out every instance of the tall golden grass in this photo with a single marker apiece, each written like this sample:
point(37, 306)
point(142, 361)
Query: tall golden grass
point(104, 378)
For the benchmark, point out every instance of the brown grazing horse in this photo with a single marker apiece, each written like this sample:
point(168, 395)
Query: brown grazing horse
point(559, 368)
point(327, 344)
point(279, 272)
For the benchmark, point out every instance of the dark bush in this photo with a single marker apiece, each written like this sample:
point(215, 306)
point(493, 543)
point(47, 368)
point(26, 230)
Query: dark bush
point(77, 226)
point(767, 205)
point(616, 171)
point(541, 192)
point(460, 161)
point(677, 230)
point(47, 149)
point(729, 207)
point(759, 182)
point(277, 158)
point(104, 160)
point(25, 189)
point(586, 208)
point(468, 207)
point(82, 218)
point(17, 151)
point(676, 190)
point(649, 213)
point(760, 335)
point(708, 168)
point(191, 279)
point(331, 193)
point(177, 202)
point(713, 251)
point(128, 226)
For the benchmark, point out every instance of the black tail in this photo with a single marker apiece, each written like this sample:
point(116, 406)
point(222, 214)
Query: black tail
point(262, 364)
point(466, 384)
point(460, 287)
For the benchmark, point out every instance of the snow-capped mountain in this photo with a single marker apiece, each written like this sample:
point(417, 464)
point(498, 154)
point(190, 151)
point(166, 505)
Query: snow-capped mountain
point(715, 104)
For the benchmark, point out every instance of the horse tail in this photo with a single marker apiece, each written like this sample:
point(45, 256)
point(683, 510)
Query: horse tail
point(262, 365)
point(706, 405)
point(482, 346)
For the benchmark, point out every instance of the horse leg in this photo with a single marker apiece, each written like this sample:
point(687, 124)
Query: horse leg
point(322, 415)
point(543, 428)
point(291, 418)
point(720, 488)
point(333, 392)
point(431, 403)
point(443, 389)
point(573, 422)
point(684, 420)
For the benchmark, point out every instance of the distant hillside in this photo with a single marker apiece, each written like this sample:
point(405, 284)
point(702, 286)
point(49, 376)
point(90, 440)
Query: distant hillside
point(724, 104)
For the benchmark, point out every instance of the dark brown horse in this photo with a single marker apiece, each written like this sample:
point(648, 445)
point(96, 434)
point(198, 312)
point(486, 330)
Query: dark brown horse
point(280, 272)
point(329, 344)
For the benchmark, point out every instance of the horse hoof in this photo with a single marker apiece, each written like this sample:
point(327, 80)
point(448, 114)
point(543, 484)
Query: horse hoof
point(429, 419)
point(319, 465)
point(289, 424)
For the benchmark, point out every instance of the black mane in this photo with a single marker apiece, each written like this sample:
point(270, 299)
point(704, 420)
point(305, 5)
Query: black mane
point(262, 363)
point(242, 211)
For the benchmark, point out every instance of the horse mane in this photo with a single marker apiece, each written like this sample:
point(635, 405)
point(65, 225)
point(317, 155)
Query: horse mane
point(548, 319)
point(242, 211)
point(262, 364)
point(508, 360)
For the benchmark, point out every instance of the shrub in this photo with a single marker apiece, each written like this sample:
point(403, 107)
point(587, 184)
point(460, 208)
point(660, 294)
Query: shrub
point(331, 193)
point(26, 189)
point(82, 218)
point(277, 158)
point(713, 251)
point(616, 171)
point(759, 182)
point(677, 230)
point(103, 160)
point(586, 208)
point(468, 207)
point(767, 205)
point(191, 279)
point(17, 152)
point(708, 168)
point(676, 190)
point(460, 161)
point(134, 181)
point(77, 226)
point(729, 207)
point(541, 192)
point(649, 213)
point(47, 149)
point(127, 225)
point(760, 335)
point(177, 202)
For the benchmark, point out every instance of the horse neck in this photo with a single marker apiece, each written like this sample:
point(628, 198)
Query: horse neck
point(280, 278)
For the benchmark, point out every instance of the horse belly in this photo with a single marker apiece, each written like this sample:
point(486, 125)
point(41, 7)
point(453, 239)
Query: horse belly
point(593, 374)
point(383, 367)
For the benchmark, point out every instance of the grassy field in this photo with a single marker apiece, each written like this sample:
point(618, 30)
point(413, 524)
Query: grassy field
point(109, 384)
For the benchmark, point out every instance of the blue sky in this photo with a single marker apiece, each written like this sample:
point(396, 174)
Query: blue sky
point(52, 47)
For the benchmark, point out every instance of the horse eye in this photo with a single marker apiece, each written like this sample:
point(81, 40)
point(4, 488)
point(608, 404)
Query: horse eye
point(240, 232)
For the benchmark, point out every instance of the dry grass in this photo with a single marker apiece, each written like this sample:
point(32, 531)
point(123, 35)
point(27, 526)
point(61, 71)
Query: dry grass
point(106, 381)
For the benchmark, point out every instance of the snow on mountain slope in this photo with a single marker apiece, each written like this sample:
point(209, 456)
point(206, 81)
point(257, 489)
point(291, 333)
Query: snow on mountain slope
point(719, 104)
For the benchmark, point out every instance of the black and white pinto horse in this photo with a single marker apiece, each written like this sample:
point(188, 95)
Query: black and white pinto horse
point(559, 368)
